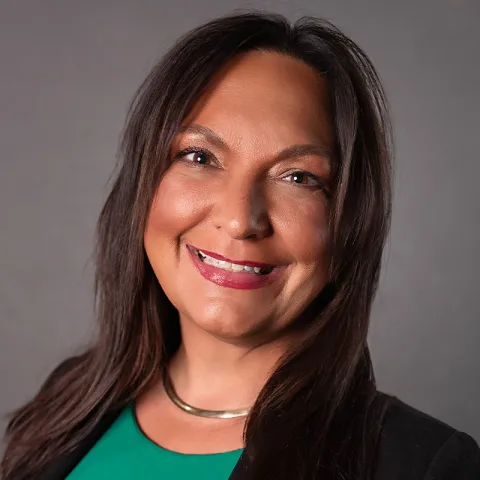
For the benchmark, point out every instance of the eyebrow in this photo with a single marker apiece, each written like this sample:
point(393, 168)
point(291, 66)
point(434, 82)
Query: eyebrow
point(289, 152)
point(210, 135)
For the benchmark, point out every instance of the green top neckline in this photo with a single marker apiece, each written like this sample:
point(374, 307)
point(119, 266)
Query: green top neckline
point(124, 452)
point(138, 430)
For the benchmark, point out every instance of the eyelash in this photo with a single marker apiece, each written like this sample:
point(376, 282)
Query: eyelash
point(186, 151)
point(320, 184)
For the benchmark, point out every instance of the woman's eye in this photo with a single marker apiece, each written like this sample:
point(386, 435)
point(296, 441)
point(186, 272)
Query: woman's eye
point(303, 178)
point(307, 180)
point(199, 158)
point(194, 156)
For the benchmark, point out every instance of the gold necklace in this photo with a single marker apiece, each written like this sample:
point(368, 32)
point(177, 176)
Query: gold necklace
point(199, 412)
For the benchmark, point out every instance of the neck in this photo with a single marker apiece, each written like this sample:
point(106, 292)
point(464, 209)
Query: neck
point(215, 374)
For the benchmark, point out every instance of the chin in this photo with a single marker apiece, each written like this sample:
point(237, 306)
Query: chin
point(232, 325)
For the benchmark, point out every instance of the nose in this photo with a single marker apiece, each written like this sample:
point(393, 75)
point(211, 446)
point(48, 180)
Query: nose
point(241, 210)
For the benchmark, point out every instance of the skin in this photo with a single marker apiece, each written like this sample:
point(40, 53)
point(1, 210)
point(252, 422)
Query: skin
point(242, 201)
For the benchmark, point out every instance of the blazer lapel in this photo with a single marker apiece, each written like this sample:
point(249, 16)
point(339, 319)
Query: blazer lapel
point(60, 467)
point(241, 468)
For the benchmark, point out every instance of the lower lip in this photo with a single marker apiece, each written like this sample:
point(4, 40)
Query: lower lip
point(239, 280)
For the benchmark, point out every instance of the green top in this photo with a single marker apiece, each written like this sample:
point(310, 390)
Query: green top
point(124, 452)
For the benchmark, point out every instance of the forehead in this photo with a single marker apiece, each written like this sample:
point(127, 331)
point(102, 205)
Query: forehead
point(267, 95)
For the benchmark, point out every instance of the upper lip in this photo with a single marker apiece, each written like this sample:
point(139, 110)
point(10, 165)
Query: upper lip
point(247, 263)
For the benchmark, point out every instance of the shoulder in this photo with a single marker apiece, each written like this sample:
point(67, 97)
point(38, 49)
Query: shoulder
point(417, 446)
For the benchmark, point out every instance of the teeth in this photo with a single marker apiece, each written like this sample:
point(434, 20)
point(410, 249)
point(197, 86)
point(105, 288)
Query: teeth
point(232, 267)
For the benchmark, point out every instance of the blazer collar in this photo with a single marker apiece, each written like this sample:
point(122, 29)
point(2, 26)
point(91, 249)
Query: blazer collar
point(61, 466)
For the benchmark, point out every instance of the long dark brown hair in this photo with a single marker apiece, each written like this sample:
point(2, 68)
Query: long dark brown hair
point(317, 414)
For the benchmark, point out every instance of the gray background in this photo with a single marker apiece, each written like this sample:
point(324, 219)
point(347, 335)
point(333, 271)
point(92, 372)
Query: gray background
point(68, 71)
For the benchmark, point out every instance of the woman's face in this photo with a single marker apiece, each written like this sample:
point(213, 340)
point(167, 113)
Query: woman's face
point(237, 234)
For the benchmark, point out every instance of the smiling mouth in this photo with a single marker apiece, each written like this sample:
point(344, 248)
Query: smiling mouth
point(252, 268)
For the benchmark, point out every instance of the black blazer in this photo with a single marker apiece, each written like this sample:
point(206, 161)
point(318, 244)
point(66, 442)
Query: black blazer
point(413, 446)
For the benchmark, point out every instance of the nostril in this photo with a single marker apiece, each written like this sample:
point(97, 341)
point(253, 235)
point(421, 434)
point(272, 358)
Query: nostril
point(241, 210)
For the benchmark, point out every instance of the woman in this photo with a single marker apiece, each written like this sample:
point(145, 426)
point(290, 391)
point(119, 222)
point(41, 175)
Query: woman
point(238, 255)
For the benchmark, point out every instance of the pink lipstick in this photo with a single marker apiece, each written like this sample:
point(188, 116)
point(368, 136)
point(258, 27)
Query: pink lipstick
point(240, 274)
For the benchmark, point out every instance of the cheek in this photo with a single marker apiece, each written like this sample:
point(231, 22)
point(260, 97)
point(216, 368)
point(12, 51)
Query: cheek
point(303, 227)
point(178, 205)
